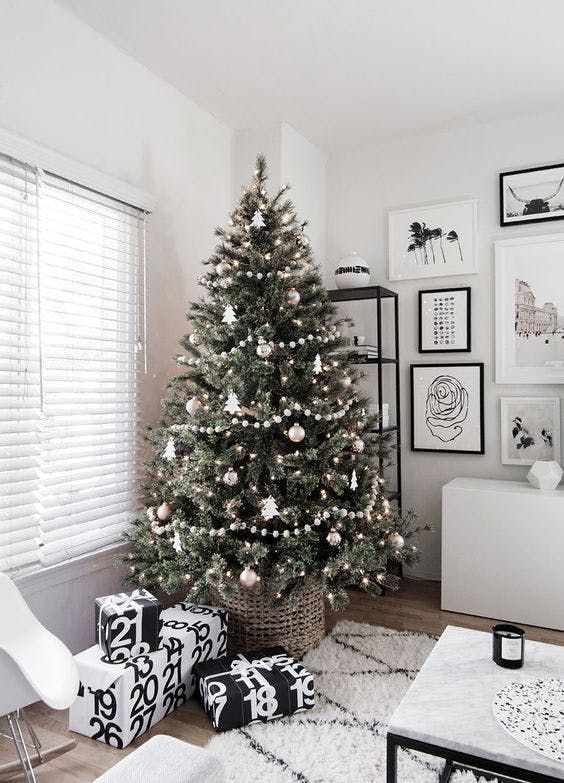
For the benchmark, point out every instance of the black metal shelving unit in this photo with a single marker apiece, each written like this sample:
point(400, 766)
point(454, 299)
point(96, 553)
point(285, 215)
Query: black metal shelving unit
point(378, 293)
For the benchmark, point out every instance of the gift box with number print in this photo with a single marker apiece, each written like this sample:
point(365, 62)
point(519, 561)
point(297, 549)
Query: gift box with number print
point(128, 624)
point(118, 702)
point(253, 687)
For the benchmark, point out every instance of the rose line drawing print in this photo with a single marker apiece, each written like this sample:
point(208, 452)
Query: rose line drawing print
point(446, 408)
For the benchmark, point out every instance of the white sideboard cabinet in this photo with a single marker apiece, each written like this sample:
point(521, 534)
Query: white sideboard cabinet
point(503, 551)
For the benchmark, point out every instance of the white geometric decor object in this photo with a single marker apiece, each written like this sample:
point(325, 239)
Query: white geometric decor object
point(352, 272)
point(545, 474)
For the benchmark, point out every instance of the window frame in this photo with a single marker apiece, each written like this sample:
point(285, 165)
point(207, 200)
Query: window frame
point(55, 163)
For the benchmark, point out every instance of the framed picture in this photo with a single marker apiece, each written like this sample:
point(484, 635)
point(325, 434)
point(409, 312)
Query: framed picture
point(529, 282)
point(433, 241)
point(447, 408)
point(531, 195)
point(444, 320)
point(530, 429)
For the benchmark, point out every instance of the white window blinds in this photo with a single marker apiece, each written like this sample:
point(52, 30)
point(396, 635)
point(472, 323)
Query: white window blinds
point(75, 304)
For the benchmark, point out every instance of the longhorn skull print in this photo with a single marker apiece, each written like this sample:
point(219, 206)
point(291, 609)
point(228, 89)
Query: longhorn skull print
point(536, 206)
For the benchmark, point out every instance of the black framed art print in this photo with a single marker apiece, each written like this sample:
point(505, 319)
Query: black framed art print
point(445, 320)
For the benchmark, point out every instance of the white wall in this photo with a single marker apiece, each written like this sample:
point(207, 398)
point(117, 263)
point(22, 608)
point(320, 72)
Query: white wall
point(65, 87)
point(361, 186)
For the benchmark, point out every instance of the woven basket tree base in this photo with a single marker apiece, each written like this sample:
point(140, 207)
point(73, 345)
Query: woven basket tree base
point(254, 623)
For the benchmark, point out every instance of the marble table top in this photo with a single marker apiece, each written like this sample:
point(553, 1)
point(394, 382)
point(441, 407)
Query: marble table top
point(450, 701)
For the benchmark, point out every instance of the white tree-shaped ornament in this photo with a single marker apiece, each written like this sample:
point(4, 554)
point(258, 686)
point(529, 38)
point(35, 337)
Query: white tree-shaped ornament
point(177, 544)
point(170, 452)
point(269, 508)
point(229, 316)
point(354, 481)
point(258, 220)
point(232, 405)
point(317, 367)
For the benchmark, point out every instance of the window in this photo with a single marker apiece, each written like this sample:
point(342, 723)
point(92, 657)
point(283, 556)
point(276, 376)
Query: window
point(71, 355)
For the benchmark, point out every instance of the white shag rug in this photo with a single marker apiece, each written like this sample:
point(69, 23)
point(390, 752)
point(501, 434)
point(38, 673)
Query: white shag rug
point(361, 673)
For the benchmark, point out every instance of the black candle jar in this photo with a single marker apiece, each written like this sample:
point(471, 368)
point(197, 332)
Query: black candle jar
point(508, 646)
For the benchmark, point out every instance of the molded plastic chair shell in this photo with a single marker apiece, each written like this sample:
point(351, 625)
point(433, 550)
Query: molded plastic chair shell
point(34, 664)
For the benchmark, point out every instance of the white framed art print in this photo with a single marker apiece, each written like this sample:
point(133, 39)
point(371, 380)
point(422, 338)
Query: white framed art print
point(530, 429)
point(435, 240)
point(529, 283)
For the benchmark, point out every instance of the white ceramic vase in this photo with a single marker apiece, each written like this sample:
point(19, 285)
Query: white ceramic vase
point(352, 272)
point(545, 474)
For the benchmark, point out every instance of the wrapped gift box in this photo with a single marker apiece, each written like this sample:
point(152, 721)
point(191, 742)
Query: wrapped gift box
point(128, 624)
point(119, 701)
point(251, 687)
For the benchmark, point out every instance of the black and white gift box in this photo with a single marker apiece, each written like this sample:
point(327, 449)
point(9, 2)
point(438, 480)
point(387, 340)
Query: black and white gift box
point(253, 687)
point(128, 624)
point(118, 702)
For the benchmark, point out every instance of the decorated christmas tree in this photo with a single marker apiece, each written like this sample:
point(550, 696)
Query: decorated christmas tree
point(264, 471)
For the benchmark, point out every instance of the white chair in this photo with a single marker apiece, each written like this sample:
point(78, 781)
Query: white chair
point(34, 665)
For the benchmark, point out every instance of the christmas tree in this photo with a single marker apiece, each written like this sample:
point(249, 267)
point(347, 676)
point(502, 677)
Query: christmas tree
point(265, 461)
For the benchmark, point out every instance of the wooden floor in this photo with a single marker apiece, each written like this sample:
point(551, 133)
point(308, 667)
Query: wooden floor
point(416, 607)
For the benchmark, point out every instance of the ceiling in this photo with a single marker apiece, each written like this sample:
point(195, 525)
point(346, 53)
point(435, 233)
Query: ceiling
point(347, 72)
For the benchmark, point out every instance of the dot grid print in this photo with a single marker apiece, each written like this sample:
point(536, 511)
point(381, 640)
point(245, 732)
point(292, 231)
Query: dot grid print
point(444, 320)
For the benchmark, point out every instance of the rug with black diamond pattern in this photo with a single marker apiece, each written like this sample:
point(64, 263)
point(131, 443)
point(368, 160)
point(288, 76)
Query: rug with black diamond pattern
point(361, 673)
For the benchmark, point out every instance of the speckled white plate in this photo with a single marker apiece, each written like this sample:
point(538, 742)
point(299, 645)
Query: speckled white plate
point(532, 711)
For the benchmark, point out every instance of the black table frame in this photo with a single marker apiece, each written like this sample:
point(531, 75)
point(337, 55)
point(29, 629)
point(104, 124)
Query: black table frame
point(455, 758)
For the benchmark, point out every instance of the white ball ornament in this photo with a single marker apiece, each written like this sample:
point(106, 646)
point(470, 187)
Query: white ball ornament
point(358, 445)
point(194, 339)
point(293, 297)
point(396, 540)
point(248, 577)
point(223, 268)
point(346, 380)
point(296, 433)
point(230, 477)
point(164, 512)
point(193, 405)
point(264, 350)
point(333, 538)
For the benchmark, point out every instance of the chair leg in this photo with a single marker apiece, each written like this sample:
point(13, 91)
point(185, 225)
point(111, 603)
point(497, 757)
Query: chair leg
point(16, 732)
point(34, 737)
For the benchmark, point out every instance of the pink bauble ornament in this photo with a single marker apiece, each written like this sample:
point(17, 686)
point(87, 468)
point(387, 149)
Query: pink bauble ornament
point(164, 512)
point(264, 350)
point(396, 540)
point(293, 296)
point(358, 445)
point(248, 577)
point(193, 405)
point(296, 433)
point(223, 268)
point(230, 478)
point(333, 538)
